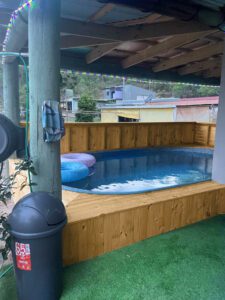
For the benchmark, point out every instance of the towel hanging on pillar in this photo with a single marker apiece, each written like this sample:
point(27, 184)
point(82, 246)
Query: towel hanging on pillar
point(52, 121)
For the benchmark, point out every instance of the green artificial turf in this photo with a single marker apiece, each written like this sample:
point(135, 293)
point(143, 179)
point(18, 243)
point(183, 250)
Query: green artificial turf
point(188, 263)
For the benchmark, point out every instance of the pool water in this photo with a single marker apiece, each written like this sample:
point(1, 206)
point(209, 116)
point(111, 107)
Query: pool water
point(142, 170)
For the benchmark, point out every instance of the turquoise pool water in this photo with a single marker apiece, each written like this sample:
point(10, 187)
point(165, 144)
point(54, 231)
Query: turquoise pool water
point(142, 170)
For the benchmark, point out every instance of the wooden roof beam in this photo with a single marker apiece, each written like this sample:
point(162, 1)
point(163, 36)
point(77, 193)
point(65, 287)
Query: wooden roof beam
point(200, 66)
point(132, 33)
point(104, 10)
point(100, 51)
point(171, 43)
point(194, 55)
point(215, 72)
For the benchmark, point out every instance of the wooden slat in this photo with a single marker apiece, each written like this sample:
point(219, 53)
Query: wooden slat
point(97, 138)
point(79, 138)
point(195, 55)
point(104, 10)
point(201, 134)
point(113, 137)
point(200, 66)
point(162, 47)
point(100, 51)
point(215, 72)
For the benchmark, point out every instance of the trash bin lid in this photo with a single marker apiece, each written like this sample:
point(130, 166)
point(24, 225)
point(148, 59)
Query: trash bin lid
point(38, 214)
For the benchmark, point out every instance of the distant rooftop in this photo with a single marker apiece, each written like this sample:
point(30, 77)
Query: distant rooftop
point(214, 100)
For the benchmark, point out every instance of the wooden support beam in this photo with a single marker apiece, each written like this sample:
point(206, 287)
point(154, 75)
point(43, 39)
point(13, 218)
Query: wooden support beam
point(200, 66)
point(44, 59)
point(100, 51)
point(195, 55)
point(73, 41)
point(133, 33)
point(162, 47)
point(215, 72)
point(104, 10)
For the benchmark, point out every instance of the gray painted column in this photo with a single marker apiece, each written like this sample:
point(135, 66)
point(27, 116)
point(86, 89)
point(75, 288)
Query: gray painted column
point(44, 61)
point(11, 91)
point(218, 173)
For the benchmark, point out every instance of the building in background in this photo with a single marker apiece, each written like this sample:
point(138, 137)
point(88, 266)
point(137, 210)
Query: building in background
point(162, 110)
point(202, 109)
point(127, 92)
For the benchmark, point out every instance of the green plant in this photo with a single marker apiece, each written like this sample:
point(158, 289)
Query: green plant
point(87, 109)
point(6, 192)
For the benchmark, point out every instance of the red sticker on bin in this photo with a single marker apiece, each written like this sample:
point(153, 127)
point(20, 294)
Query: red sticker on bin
point(23, 259)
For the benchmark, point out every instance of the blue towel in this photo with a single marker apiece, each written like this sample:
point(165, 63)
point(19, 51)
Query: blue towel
point(52, 121)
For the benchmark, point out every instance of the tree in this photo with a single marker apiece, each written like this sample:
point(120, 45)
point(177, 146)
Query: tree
point(87, 109)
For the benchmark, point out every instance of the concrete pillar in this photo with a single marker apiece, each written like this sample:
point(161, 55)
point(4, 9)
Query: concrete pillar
point(218, 172)
point(44, 62)
point(11, 91)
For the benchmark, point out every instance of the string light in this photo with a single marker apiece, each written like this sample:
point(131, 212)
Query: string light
point(137, 80)
point(13, 18)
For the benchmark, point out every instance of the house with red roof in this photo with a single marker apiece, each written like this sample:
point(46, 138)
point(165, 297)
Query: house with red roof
point(201, 109)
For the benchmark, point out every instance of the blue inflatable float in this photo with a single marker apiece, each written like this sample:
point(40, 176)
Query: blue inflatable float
point(73, 171)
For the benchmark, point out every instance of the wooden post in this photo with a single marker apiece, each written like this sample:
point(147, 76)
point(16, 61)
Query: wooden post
point(11, 91)
point(44, 61)
point(218, 173)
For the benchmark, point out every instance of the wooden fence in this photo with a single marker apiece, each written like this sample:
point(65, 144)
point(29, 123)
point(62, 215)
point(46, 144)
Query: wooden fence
point(82, 137)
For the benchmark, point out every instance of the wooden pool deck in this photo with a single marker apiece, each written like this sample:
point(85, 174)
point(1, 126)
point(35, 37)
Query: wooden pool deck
point(101, 223)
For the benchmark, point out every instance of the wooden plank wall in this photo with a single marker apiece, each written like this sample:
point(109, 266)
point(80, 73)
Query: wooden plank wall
point(82, 137)
point(89, 237)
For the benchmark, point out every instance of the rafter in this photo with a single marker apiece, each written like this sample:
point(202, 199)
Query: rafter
point(104, 10)
point(195, 55)
point(215, 72)
point(100, 51)
point(133, 33)
point(200, 66)
point(162, 47)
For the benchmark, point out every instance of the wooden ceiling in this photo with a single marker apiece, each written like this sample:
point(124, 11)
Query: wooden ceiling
point(152, 44)
point(190, 49)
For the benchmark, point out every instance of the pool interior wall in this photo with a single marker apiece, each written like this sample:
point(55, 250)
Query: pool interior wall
point(136, 171)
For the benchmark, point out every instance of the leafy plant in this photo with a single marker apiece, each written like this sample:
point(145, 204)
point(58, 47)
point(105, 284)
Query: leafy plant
point(87, 109)
point(6, 191)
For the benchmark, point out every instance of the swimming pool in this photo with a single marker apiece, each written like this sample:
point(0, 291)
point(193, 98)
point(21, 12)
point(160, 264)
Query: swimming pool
point(142, 170)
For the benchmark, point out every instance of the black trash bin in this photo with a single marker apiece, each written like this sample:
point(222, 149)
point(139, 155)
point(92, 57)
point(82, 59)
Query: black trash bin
point(36, 224)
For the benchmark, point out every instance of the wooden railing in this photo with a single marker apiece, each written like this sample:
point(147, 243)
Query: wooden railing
point(108, 136)
point(82, 137)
